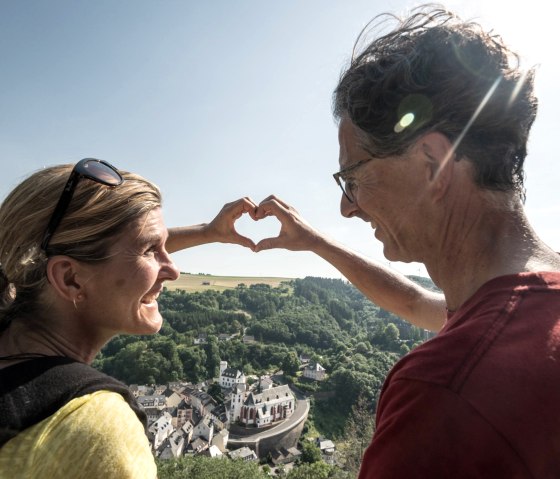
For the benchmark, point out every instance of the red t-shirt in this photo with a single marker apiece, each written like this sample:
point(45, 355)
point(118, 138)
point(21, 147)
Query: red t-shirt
point(482, 398)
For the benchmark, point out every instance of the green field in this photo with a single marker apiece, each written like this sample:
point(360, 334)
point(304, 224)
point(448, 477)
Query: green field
point(201, 282)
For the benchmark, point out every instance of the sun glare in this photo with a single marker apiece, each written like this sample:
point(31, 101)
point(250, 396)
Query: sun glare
point(527, 27)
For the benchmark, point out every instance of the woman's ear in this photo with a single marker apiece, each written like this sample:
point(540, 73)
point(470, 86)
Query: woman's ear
point(439, 155)
point(66, 276)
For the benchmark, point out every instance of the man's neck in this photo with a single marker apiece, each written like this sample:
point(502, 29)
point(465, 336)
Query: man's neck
point(486, 242)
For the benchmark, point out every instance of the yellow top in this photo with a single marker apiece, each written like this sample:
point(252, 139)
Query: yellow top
point(94, 436)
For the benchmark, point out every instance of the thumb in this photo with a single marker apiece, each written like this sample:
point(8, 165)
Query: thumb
point(244, 241)
point(267, 243)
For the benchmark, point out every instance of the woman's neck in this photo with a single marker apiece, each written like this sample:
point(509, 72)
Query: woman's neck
point(26, 338)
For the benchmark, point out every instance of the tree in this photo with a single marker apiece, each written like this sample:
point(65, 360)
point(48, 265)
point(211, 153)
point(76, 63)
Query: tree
point(310, 453)
point(199, 467)
point(290, 364)
point(212, 357)
point(317, 470)
point(216, 392)
point(358, 433)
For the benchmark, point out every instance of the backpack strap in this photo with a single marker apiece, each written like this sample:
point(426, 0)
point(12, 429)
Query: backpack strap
point(33, 390)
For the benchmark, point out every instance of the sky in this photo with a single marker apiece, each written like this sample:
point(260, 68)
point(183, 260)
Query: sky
point(217, 100)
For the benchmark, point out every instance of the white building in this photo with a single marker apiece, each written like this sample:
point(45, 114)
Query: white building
point(244, 454)
point(229, 376)
point(263, 409)
point(314, 371)
point(160, 430)
point(220, 440)
point(204, 429)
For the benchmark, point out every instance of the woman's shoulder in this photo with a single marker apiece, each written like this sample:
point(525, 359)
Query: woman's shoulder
point(94, 435)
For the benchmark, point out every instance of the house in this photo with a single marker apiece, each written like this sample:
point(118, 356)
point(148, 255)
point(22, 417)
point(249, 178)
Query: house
point(159, 389)
point(172, 447)
point(181, 414)
point(188, 429)
point(304, 358)
point(220, 440)
point(244, 454)
point(152, 414)
point(202, 339)
point(200, 401)
point(158, 401)
point(230, 376)
point(285, 456)
point(172, 398)
point(213, 452)
point(314, 371)
point(140, 390)
point(225, 336)
point(327, 448)
point(247, 339)
point(204, 428)
point(160, 430)
point(220, 416)
point(197, 446)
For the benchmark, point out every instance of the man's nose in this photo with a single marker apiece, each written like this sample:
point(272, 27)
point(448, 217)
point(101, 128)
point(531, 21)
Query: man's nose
point(347, 208)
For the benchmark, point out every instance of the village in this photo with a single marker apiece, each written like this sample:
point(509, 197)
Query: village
point(184, 419)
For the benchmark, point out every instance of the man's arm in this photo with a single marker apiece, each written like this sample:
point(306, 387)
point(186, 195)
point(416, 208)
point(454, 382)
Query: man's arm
point(386, 288)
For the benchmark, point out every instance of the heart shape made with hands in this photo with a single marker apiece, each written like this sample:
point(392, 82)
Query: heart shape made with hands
point(257, 230)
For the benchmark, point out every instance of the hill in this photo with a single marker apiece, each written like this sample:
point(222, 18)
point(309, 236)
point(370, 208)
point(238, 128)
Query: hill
point(203, 282)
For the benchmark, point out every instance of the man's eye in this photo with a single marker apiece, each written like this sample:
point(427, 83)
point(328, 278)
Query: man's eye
point(350, 185)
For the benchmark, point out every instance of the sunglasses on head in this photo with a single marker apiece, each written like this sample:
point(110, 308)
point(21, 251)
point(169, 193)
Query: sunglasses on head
point(96, 170)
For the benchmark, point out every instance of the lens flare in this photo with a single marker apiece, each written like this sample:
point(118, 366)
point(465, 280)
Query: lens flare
point(406, 120)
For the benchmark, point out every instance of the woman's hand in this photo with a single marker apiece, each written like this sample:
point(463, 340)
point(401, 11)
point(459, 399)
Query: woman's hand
point(222, 228)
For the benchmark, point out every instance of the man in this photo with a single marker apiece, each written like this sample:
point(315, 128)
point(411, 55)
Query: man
point(434, 118)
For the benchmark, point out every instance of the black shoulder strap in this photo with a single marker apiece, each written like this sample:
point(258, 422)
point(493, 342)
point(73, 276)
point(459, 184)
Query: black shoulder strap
point(33, 390)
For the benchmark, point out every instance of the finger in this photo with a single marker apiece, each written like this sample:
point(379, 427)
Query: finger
point(268, 207)
point(247, 206)
point(267, 243)
point(244, 241)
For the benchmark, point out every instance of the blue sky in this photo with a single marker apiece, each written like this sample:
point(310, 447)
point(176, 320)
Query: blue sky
point(217, 100)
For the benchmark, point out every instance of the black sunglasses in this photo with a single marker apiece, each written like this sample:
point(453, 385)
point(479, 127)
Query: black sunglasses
point(97, 170)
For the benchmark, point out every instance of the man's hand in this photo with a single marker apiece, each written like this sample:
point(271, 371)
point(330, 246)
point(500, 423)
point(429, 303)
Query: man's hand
point(295, 233)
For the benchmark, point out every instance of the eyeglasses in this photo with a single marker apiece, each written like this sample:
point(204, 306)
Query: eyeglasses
point(346, 186)
point(97, 170)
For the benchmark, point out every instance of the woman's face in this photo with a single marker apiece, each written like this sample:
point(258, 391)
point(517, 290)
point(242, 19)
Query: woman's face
point(121, 295)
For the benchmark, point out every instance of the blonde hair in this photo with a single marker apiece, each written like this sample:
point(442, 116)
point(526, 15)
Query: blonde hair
point(95, 216)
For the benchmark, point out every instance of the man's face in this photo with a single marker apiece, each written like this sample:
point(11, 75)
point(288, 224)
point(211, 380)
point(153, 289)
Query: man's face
point(386, 193)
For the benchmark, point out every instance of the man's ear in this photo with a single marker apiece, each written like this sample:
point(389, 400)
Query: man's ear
point(439, 156)
point(66, 276)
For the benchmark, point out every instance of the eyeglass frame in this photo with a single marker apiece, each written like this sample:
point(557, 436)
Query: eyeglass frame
point(339, 175)
point(78, 172)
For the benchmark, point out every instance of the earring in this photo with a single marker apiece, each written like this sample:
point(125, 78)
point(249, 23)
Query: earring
point(79, 297)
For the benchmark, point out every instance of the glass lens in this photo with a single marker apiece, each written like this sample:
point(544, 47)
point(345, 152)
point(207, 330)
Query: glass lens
point(347, 188)
point(102, 173)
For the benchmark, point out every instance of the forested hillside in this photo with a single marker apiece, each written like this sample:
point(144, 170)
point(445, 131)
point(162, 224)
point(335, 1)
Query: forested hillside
point(327, 319)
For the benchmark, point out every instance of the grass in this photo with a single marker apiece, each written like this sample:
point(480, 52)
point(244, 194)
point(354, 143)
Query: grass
point(202, 282)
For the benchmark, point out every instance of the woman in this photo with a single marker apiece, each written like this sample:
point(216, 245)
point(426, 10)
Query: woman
point(73, 274)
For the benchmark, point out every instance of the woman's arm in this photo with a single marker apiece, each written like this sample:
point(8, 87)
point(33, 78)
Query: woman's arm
point(390, 290)
point(220, 230)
